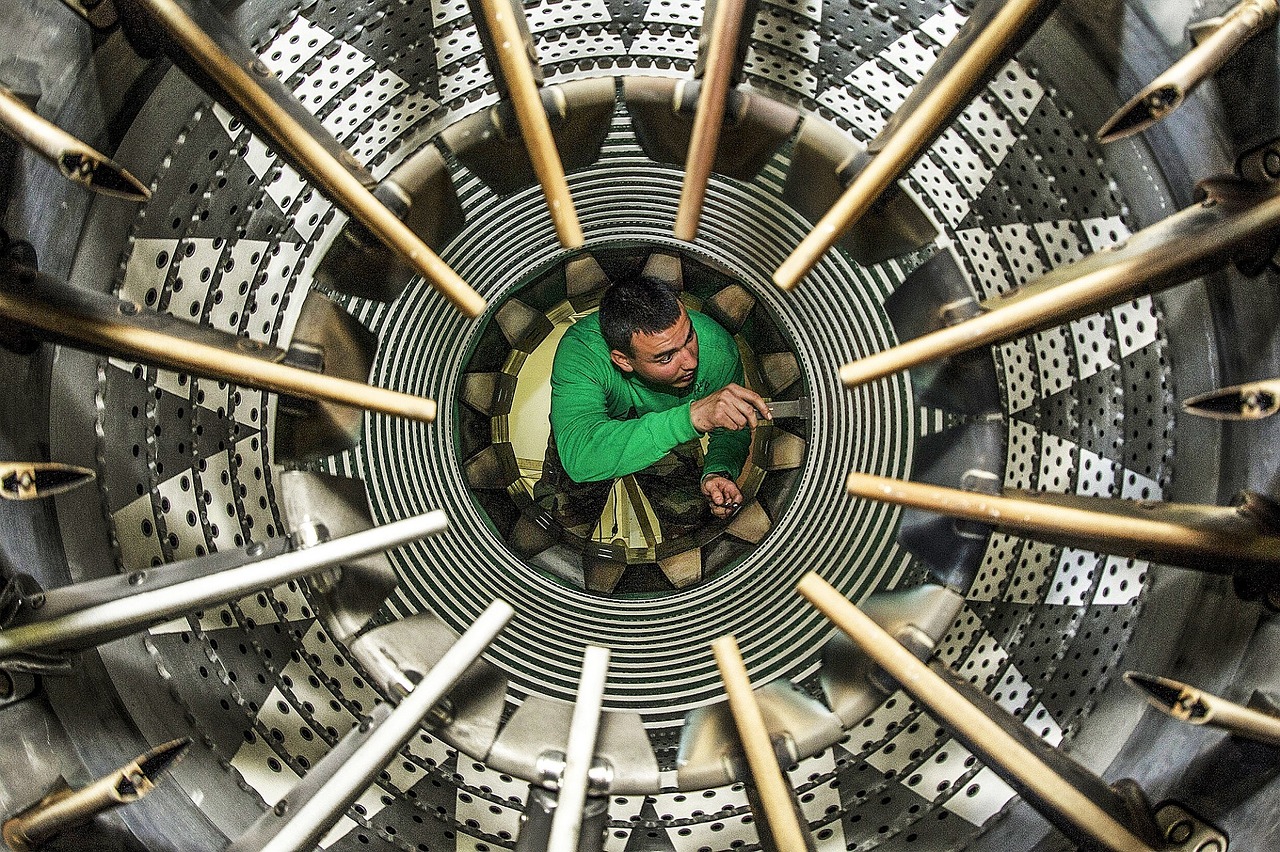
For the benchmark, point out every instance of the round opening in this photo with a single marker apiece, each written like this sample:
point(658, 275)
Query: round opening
point(651, 531)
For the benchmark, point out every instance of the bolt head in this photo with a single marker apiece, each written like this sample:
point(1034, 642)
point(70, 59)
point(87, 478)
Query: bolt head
point(1179, 832)
point(1271, 164)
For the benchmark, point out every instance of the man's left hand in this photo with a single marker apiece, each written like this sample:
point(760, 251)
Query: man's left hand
point(723, 495)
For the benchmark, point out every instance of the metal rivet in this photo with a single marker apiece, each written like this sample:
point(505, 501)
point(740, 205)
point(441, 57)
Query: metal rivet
point(1271, 163)
point(1179, 832)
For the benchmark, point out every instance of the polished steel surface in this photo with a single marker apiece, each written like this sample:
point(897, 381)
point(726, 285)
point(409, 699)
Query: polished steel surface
point(1222, 37)
point(1078, 812)
point(777, 812)
point(1251, 401)
point(1196, 707)
point(76, 617)
point(1225, 228)
point(63, 808)
point(299, 822)
point(34, 480)
point(575, 779)
point(1225, 539)
point(994, 32)
point(1017, 185)
point(197, 40)
point(74, 159)
point(125, 329)
point(718, 58)
point(532, 117)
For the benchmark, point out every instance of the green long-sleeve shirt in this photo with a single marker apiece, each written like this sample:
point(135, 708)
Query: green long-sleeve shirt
point(609, 424)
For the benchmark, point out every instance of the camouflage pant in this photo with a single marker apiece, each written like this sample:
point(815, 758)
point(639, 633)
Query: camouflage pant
point(673, 486)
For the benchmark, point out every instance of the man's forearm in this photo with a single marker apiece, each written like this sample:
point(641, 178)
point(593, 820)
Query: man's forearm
point(596, 451)
point(727, 451)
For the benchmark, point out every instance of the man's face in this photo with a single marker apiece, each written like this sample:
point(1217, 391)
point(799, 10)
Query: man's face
point(668, 358)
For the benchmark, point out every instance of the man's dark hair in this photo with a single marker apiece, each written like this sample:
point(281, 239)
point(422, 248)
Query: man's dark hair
point(646, 305)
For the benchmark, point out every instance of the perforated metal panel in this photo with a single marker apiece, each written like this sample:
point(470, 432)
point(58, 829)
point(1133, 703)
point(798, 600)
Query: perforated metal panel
point(232, 236)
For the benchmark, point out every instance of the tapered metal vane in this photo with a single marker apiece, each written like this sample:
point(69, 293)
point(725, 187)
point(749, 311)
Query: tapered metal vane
point(76, 160)
point(100, 323)
point(298, 821)
point(516, 71)
point(1077, 802)
point(994, 32)
point(65, 808)
point(87, 614)
point(33, 480)
point(566, 823)
point(719, 61)
point(1251, 401)
point(775, 794)
point(200, 42)
point(1166, 93)
point(1221, 539)
point(1237, 222)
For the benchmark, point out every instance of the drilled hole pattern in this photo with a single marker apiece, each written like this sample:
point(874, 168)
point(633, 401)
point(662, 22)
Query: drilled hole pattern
point(231, 235)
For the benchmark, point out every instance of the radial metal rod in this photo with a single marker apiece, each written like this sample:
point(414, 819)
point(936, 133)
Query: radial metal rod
point(566, 824)
point(1197, 707)
point(298, 822)
point(54, 626)
point(38, 605)
point(532, 118)
point(779, 813)
point(992, 34)
point(1216, 538)
point(101, 323)
point(1167, 92)
point(201, 43)
point(76, 161)
point(1251, 401)
point(722, 50)
point(1077, 814)
point(65, 808)
point(33, 480)
point(1232, 223)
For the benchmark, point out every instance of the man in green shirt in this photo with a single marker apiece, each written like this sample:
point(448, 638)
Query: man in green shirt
point(633, 387)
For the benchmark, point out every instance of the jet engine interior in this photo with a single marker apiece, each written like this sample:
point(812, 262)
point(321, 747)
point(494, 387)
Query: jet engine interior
point(276, 143)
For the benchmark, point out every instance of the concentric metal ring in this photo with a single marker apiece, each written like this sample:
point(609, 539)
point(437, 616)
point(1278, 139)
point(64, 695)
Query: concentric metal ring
point(1038, 622)
point(661, 663)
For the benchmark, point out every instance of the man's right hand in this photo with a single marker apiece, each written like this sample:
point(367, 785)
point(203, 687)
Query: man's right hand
point(731, 407)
